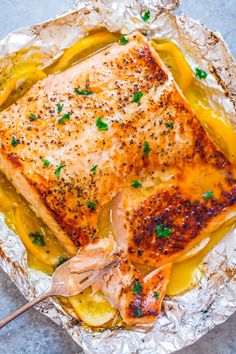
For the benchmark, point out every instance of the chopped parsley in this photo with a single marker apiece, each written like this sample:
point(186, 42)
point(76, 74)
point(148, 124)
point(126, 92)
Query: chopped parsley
point(15, 141)
point(61, 260)
point(83, 92)
point(63, 118)
point(169, 125)
point(162, 232)
point(137, 96)
point(33, 117)
point(37, 238)
point(208, 195)
point(136, 184)
point(46, 162)
point(59, 108)
point(93, 169)
point(146, 148)
point(58, 170)
point(138, 313)
point(146, 16)
point(102, 126)
point(123, 40)
point(156, 294)
point(137, 289)
point(91, 205)
point(200, 74)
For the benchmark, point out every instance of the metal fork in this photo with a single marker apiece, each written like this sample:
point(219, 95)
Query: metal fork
point(64, 283)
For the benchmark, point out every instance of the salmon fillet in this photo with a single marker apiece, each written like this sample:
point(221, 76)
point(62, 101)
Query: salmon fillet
point(117, 133)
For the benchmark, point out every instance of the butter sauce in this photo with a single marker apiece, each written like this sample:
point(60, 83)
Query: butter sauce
point(184, 275)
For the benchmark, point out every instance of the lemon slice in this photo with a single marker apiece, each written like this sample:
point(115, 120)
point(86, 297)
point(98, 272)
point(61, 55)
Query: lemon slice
point(36, 238)
point(22, 73)
point(85, 46)
point(175, 60)
point(92, 309)
point(194, 251)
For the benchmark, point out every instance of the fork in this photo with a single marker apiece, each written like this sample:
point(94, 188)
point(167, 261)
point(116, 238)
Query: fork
point(64, 283)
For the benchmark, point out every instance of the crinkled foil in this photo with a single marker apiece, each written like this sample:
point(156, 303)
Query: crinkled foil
point(185, 318)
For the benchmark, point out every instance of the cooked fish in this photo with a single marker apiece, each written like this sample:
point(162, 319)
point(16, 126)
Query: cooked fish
point(115, 132)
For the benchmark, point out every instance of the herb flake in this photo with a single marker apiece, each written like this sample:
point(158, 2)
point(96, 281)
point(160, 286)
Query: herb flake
point(137, 289)
point(58, 170)
point(156, 294)
point(46, 162)
point(146, 16)
point(200, 74)
point(208, 195)
point(63, 118)
point(37, 239)
point(93, 169)
point(123, 40)
point(162, 232)
point(139, 313)
point(146, 148)
point(33, 117)
point(62, 260)
point(91, 205)
point(169, 125)
point(83, 92)
point(136, 184)
point(59, 108)
point(102, 126)
point(137, 96)
point(15, 141)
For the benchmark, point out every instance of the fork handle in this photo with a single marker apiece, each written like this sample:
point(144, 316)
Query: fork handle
point(22, 309)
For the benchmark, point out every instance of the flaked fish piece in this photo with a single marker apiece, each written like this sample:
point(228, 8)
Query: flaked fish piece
point(137, 297)
point(95, 256)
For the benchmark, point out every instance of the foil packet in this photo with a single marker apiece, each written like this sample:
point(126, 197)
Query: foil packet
point(184, 318)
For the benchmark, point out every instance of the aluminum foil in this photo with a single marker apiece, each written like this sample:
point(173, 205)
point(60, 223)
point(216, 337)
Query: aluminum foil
point(185, 318)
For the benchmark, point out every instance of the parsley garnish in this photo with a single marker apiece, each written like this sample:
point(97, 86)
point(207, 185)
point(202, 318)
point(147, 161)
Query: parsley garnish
point(64, 117)
point(101, 125)
point(46, 162)
point(137, 289)
point(136, 184)
point(58, 170)
point(37, 238)
point(138, 313)
point(59, 108)
point(123, 40)
point(146, 16)
point(93, 169)
point(62, 260)
point(156, 294)
point(169, 124)
point(15, 141)
point(91, 205)
point(146, 148)
point(137, 96)
point(200, 74)
point(33, 117)
point(208, 195)
point(162, 232)
point(83, 92)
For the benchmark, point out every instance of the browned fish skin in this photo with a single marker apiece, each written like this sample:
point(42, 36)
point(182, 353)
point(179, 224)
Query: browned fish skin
point(182, 208)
